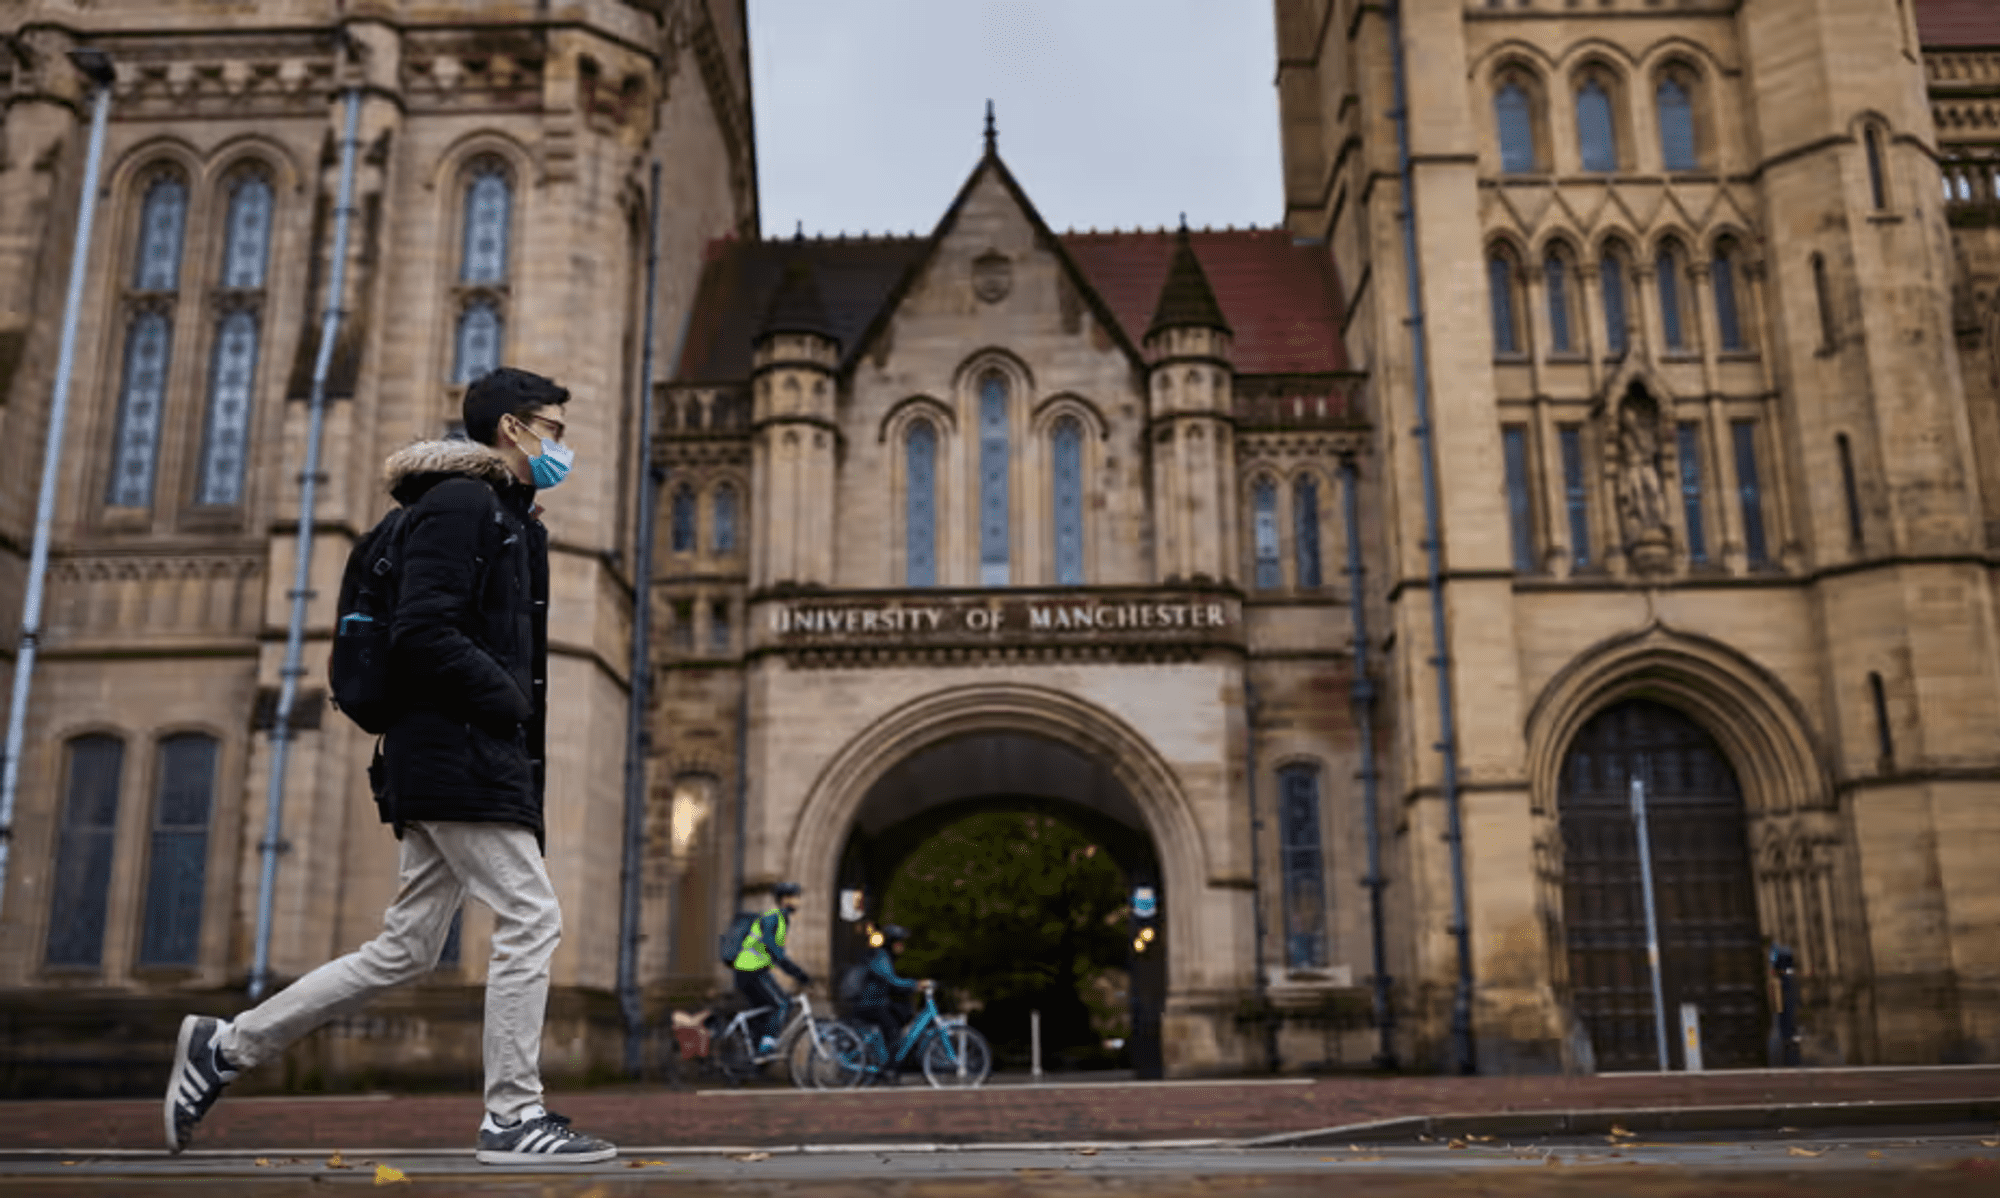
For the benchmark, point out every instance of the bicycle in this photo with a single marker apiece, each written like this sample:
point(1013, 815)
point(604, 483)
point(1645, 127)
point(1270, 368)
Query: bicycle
point(802, 1042)
point(951, 1053)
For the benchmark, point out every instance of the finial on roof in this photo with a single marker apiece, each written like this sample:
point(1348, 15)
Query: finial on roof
point(1186, 299)
point(992, 133)
point(1183, 222)
point(799, 233)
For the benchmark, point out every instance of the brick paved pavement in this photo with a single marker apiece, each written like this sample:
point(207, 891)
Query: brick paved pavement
point(1135, 1111)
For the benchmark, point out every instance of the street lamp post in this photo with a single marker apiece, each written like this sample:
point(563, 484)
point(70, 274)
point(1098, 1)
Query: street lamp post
point(95, 66)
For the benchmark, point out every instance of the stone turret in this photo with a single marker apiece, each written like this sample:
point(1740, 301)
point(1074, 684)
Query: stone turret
point(1190, 391)
point(796, 445)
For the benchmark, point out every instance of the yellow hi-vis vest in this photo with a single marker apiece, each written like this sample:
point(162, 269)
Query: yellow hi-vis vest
point(755, 953)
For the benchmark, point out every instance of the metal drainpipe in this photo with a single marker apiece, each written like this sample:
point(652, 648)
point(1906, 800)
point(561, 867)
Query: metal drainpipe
point(99, 68)
point(637, 741)
point(1261, 984)
point(1447, 746)
point(1363, 692)
point(301, 594)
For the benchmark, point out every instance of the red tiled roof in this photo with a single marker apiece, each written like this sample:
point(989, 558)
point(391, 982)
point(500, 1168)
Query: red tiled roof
point(1954, 23)
point(1282, 299)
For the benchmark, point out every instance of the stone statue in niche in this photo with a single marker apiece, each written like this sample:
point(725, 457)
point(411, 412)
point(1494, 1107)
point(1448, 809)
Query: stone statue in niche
point(992, 276)
point(1638, 470)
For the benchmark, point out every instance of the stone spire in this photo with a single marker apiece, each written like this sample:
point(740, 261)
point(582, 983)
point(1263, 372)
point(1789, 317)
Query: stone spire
point(1186, 301)
point(797, 307)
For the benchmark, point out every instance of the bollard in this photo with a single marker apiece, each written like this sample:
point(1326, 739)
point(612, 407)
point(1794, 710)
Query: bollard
point(1035, 1044)
point(1690, 1037)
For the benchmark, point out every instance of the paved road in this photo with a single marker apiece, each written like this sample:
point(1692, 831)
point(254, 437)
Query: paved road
point(1957, 1165)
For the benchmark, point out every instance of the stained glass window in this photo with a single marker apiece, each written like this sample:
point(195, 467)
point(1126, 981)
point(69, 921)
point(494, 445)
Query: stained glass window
point(1302, 860)
point(1556, 279)
point(177, 869)
point(1595, 140)
point(80, 897)
point(993, 466)
point(1513, 114)
point(1611, 281)
point(1305, 529)
point(136, 443)
point(1264, 534)
point(1750, 491)
point(920, 506)
point(1676, 126)
point(479, 330)
point(229, 395)
point(161, 219)
point(1688, 445)
point(247, 243)
point(1520, 525)
point(1668, 268)
point(1722, 277)
point(1575, 498)
point(1500, 285)
point(489, 201)
point(1067, 450)
point(682, 521)
point(722, 519)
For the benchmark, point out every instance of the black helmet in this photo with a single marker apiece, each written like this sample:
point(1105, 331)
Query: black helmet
point(893, 932)
point(785, 890)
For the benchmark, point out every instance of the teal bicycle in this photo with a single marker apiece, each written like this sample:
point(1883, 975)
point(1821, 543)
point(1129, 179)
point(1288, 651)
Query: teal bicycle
point(950, 1053)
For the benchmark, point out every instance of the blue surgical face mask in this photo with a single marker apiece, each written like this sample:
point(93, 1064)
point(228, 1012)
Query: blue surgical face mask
point(551, 466)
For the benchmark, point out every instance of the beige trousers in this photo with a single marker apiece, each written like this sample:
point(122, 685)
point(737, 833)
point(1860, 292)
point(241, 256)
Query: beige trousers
point(498, 864)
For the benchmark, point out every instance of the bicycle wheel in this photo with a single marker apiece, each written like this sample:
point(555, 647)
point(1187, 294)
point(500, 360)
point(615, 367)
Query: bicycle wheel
point(799, 1058)
point(956, 1055)
point(840, 1058)
point(733, 1056)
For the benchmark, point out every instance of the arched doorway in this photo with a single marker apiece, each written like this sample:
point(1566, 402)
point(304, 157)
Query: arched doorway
point(946, 782)
point(1711, 947)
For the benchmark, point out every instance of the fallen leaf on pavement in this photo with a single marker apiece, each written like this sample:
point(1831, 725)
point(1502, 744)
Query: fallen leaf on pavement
point(69, 1164)
point(642, 1164)
point(1354, 1147)
point(386, 1175)
point(1619, 1131)
point(1875, 1154)
point(1479, 1139)
point(263, 1162)
point(334, 1161)
point(1455, 1144)
point(1086, 1152)
point(751, 1157)
point(1795, 1150)
point(1552, 1159)
point(1991, 1143)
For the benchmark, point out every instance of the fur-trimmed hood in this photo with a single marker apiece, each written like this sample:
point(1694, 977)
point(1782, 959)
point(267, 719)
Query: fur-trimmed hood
point(416, 468)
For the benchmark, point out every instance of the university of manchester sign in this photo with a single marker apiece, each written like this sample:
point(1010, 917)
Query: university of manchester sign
point(917, 620)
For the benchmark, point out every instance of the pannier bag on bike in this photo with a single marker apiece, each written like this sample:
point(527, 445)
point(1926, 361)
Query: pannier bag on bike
point(730, 942)
point(358, 667)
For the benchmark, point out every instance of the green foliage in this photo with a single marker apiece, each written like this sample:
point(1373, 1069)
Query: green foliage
point(1012, 908)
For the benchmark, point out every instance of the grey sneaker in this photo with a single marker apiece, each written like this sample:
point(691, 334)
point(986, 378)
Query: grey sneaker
point(197, 1079)
point(541, 1137)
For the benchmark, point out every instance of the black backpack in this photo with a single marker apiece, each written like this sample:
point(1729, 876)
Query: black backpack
point(730, 943)
point(358, 667)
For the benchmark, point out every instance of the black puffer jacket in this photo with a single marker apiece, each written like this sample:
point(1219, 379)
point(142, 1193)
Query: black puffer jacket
point(470, 642)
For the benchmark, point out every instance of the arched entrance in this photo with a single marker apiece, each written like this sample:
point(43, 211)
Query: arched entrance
point(949, 780)
point(1711, 948)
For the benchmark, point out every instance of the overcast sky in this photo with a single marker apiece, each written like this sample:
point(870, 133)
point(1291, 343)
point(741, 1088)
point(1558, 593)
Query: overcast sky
point(1112, 113)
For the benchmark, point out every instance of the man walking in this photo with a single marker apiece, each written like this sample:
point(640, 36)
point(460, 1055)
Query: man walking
point(459, 776)
point(764, 946)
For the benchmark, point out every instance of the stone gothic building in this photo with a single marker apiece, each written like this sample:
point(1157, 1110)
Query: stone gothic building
point(1129, 524)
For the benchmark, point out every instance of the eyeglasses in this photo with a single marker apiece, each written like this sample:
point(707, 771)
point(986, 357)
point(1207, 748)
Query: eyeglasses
point(557, 428)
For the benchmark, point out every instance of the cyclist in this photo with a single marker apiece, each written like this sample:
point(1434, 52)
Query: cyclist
point(881, 1001)
point(764, 946)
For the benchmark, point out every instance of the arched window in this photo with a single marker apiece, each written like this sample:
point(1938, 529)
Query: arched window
point(1676, 111)
point(1305, 529)
point(1264, 534)
point(920, 505)
point(142, 394)
point(79, 898)
point(489, 203)
point(1667, 269)
point(1302, 860)
point(994, 463)
point(1500, 288)
point(482, 270)
point(722, 519)
point(1597, 143)
point(1514, 117)
point(246, 252)
point(1555, 280)
point(177, 864)
point(1611, 283)
point(682, 520)
point(1722, 279)
point(1066, 449)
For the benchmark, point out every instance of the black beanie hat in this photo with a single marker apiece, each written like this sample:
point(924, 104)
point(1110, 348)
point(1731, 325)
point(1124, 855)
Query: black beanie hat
point(506, 391)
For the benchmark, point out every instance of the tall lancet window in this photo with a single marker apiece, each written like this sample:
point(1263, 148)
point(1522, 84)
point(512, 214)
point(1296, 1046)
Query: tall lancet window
point(993, 467)
point(1676, 126)
point(80, 904)
point(1611, 281)
point(177, 864)
point(1555, 274)
point(1303, 861)
point(1066, 450)
point(148, 343)
point(722, 519)
point(482, 271)
point(1513, 115)
point(920, 505)
point(1305, 529)
point(1264, 534)
point(232, 372)
point(1596, 143)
